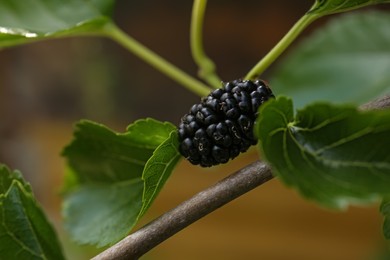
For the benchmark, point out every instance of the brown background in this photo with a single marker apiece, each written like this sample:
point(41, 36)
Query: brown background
point(47, 86)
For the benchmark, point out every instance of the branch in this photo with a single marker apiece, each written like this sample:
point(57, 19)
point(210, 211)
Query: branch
point(377, 104)
point(203, 203)
point(140, 242)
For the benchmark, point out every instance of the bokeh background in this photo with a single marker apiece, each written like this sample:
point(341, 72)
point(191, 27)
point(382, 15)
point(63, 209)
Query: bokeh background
point(46, 87)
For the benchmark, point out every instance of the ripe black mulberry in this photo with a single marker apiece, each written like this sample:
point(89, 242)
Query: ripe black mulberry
point(221, 126)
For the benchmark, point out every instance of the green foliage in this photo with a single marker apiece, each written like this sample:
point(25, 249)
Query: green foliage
point(347, 61)
point(115, 177)
point(335, 155)
point(31, 20)
point(25, 232)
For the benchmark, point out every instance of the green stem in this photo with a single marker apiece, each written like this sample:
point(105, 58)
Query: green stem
point(192, 84)
point(282, 45)
point(205, 64)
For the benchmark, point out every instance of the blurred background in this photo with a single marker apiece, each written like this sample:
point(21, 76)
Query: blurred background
point(46, 87)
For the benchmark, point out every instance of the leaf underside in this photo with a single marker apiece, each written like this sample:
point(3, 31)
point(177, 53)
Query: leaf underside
point(335, 155)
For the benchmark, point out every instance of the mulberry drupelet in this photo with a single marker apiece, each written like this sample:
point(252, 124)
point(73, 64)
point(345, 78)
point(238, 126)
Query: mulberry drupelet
point(221, 126)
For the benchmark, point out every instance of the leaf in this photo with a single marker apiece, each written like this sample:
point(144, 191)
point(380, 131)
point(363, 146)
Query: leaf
point(158, 169)
point(105, 185)
point(25, 232)
point(149, 132)
point(105, 7)
point(326, 7)
point(102, 214)
point(32, 20)
point(347, 61)
point(385, 210)
point(335, 155)
point(101, 155)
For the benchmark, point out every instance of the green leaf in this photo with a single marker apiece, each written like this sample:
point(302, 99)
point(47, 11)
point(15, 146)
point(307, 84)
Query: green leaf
point(101, 155)
point(25, 233)
point(335, 155)
point(32, 20)
point(347, 61)
point(102, 214)
point(105, 7)
point(158, 169)
point(104, 194)
point(149, 132)
point(385, 210)
point(326, 7)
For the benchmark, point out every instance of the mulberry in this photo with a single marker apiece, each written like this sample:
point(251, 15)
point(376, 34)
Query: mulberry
point(221, 126)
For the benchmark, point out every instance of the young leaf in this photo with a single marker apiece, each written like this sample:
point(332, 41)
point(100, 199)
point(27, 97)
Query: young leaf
point(335, 155)
point(25, 233)
point(104, 194)
point(348, 60)
point(32, 20)
point(325, 7)
point(158, 169)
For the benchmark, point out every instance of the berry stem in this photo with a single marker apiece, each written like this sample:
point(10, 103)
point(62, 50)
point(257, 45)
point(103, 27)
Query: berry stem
point(282, 45)
point(113, 32)
point(205, 64)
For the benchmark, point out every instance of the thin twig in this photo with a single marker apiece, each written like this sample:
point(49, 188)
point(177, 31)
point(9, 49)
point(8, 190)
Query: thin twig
point(377, 104)
point(203, 203)
point(140, 242)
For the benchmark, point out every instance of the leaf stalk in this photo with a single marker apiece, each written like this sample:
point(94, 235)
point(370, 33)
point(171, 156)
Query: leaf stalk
point(113, 32)
point(281, 46)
